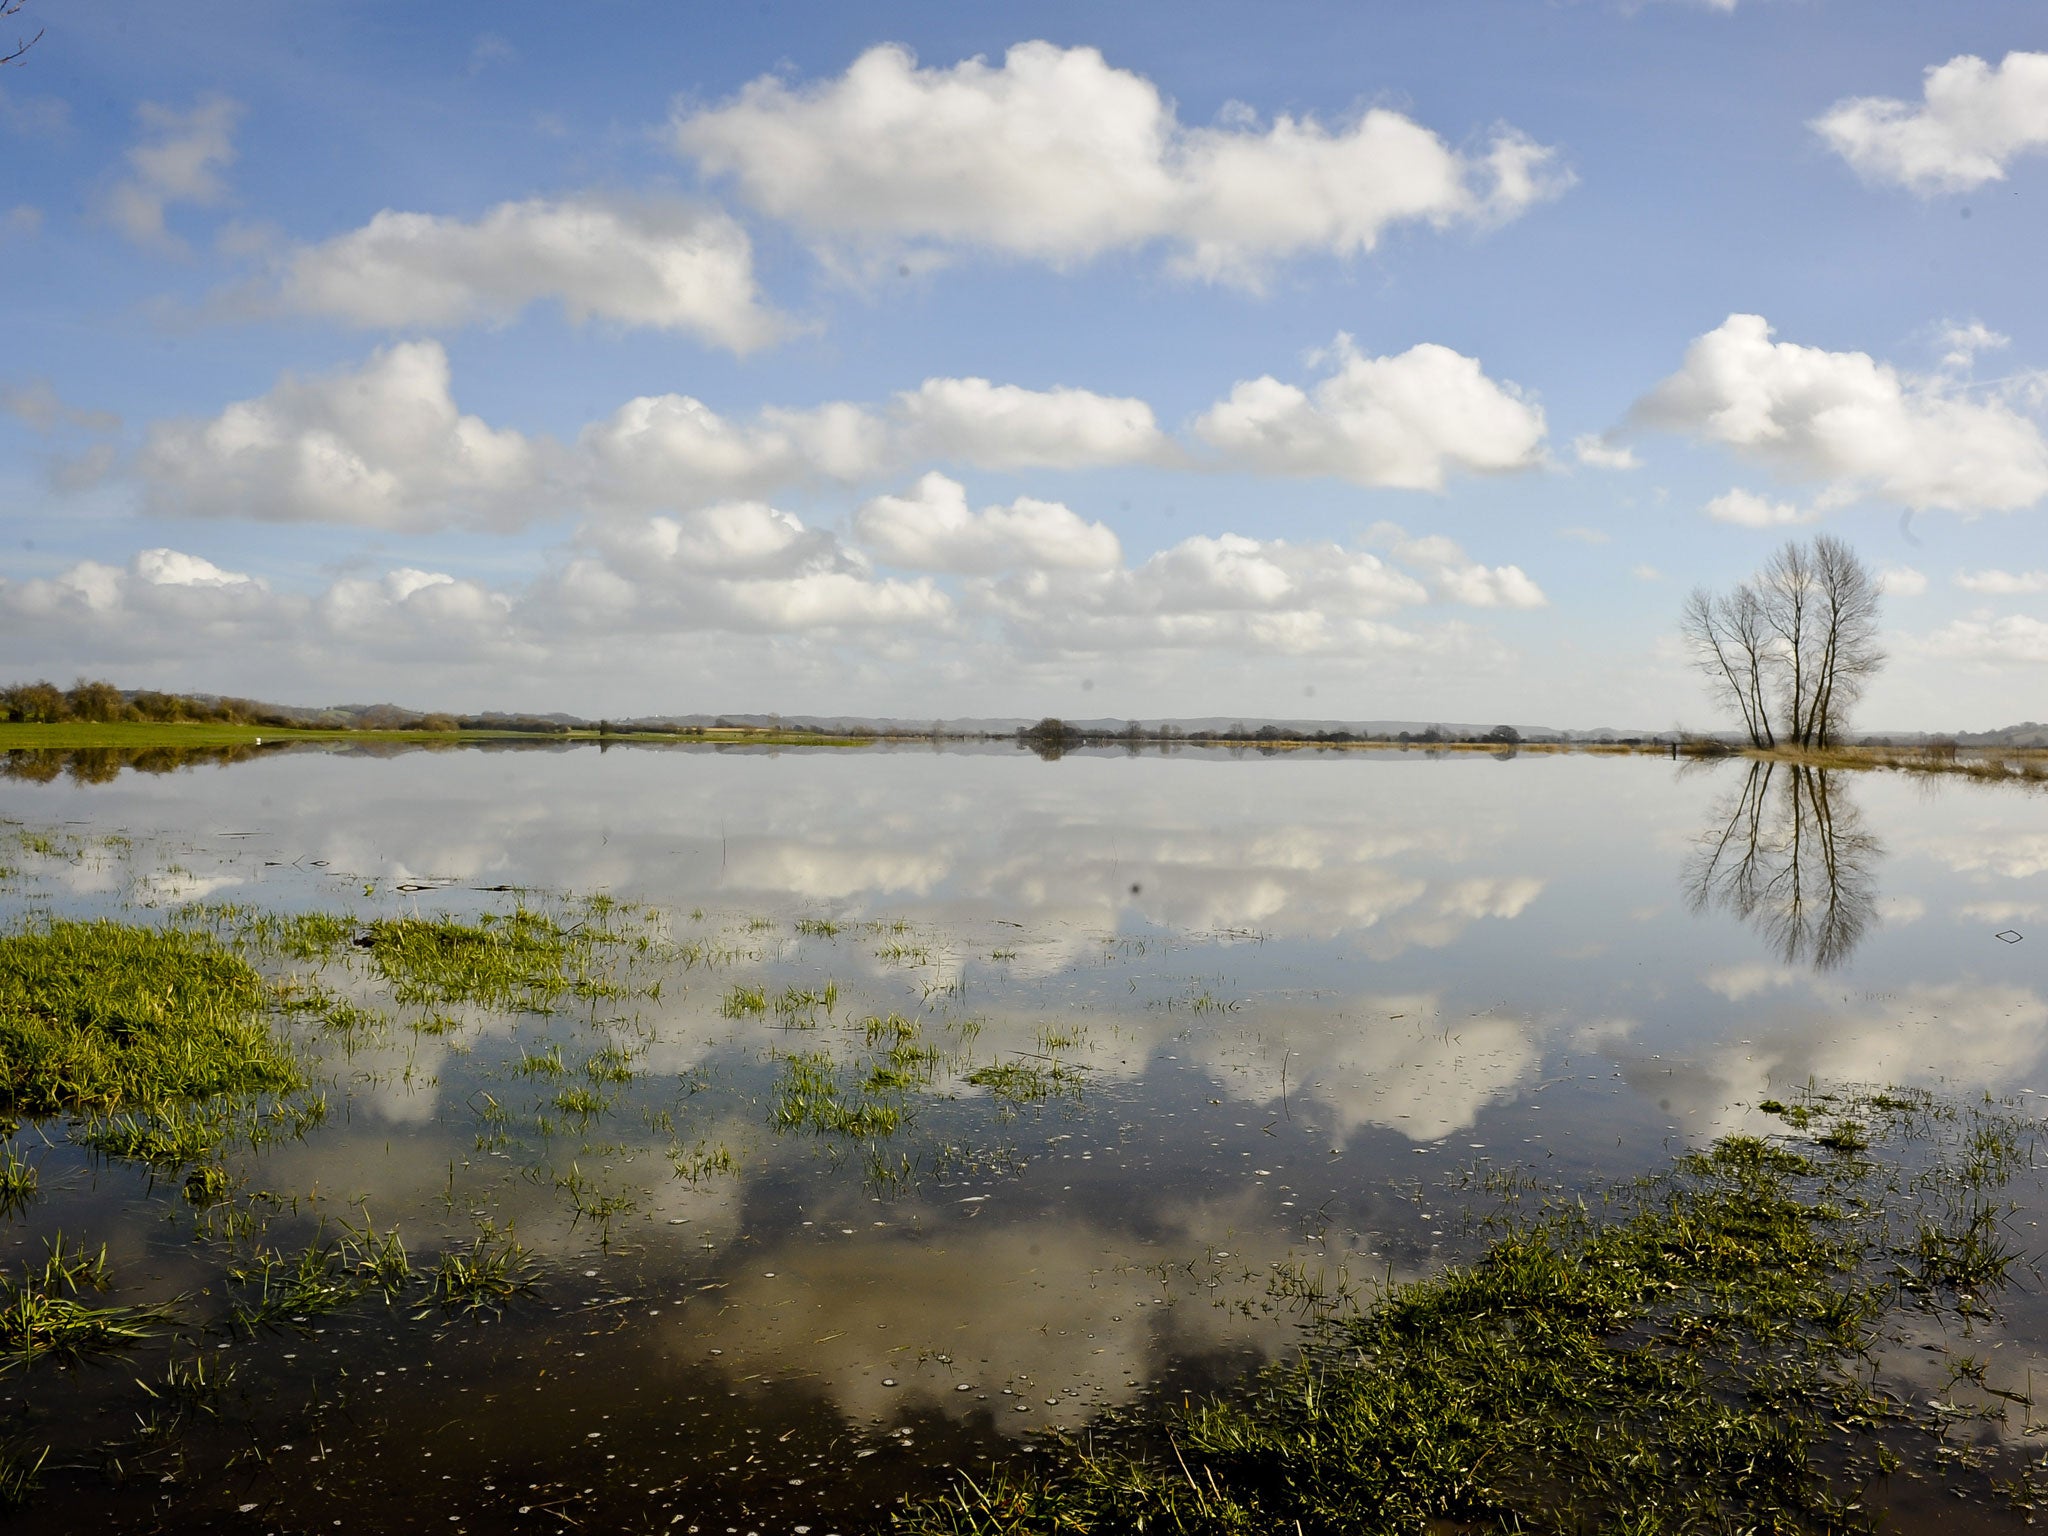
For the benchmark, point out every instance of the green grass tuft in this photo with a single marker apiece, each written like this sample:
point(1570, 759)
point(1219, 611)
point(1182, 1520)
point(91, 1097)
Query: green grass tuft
point(1022, 1082)
point(494, 1268)
point(808, 1098)
point(523, 960)
point(18, 1182)
point(42, 1319)
point(281, 1289)
point(102, 1015)
point(744, 1003)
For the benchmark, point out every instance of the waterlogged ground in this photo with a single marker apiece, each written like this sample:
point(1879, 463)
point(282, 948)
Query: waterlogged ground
point(854, 1117)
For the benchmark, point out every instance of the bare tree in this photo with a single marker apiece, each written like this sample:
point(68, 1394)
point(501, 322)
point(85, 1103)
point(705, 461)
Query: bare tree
point(1848, 649)
point(1786, 589)
point(1730, 643)
point(1792, 650)
point(21, 46)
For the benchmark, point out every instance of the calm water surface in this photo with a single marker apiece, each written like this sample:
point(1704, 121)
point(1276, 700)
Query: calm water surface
point(1278, 1008)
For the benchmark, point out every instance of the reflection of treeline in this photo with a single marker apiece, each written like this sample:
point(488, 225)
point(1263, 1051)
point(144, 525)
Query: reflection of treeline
point(101, 765)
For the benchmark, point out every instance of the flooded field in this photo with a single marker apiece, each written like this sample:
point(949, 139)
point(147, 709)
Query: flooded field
point(728, 1141)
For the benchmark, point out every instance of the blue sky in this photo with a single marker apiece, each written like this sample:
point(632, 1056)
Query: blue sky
point(1350, 361)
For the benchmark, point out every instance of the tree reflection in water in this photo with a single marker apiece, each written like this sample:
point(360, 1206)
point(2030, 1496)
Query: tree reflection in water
point(102, 765)
point(1788, 854)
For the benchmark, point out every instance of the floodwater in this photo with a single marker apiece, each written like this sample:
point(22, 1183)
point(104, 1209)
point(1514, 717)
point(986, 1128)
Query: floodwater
point(1253, 1023)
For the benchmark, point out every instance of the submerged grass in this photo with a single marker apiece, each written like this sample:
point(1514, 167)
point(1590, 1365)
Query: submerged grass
point(1023, 1082)
point(808, 1098)
point(101, 1015)
point(744, 1002)
point(518, 960)
point(19, 1182)
point(696, 1166)
point(494, 1269)
point(21, 1465)
point(297, 935)
point(180, 1135)
point(187, 1390)
point(1692, 1361)
point(282, 1288)
point(41, 1317)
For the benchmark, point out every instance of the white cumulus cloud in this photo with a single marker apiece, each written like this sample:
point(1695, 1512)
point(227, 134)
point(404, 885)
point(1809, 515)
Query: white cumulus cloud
point(742, 566)
point(161, 598)
point(1971, 122)
point(1902, 581)
point(1746, 509)
point(1850, 420)
point(738, 538)
point(1003, 426)
point(1964, 342)
point(662, 266)
point(674, 450)
point(1058, 156)
point(737, 576)
point(179, 159)
point(1453, 577)
point(931, 528)
point(2013, 638)
point(174, 568)
point(668, 450)
point(1405, 421)
point(405, 607)
point(2004, 583)
point(1596, 452)
point(383, 446)
point(1224, 592)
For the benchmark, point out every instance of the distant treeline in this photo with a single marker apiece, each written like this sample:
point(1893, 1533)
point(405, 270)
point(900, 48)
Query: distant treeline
point(98, 702)
point(101, 703)
point(1051, 730)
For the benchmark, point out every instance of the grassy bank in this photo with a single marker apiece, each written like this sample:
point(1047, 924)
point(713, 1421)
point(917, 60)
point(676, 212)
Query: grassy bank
point(1699, 1357)
point(72, 735)
point(1994, 765)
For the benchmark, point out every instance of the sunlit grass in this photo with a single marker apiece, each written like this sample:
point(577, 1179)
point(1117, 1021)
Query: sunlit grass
point(284, 1288)
point(99, 1015)
point(19, 1182)
point(743, 1002)
point(490, 1272)
point(522, 960)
